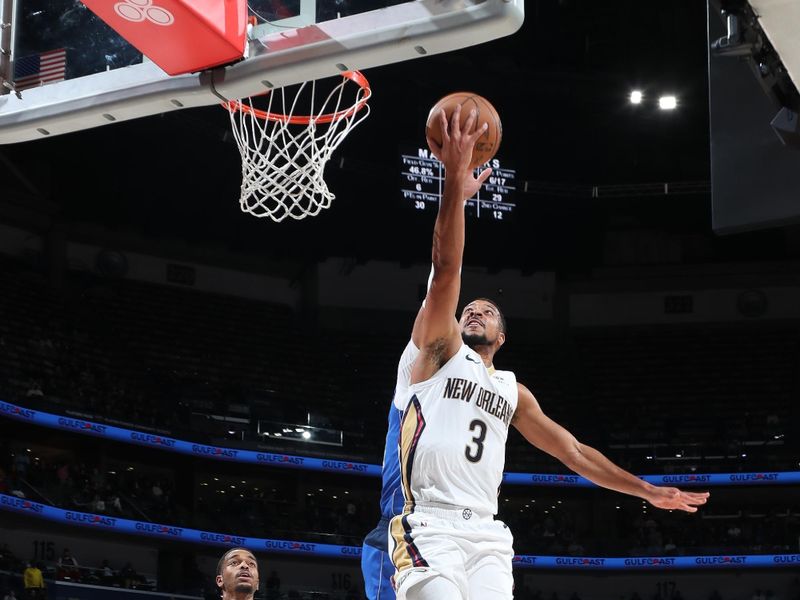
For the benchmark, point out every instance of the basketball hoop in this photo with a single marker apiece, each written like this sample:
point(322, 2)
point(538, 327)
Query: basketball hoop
point(284, 154)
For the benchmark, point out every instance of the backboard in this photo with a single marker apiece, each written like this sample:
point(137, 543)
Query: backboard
point(70, 71)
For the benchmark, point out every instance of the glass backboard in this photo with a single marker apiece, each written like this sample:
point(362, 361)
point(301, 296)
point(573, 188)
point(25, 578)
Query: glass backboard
point(70, 71)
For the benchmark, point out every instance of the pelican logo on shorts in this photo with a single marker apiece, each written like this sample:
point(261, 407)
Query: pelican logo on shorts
point(467, 514)
point(137, 11)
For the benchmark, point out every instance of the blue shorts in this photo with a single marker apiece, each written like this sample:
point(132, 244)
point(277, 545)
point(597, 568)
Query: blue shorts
point(377, 567)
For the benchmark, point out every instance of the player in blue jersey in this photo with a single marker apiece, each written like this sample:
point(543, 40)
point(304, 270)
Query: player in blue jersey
point(376, 564)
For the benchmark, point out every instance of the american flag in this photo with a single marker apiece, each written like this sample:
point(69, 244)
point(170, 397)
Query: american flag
point(38, 69)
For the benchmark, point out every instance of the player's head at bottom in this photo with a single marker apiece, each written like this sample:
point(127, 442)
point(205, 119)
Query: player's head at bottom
point(237, 573)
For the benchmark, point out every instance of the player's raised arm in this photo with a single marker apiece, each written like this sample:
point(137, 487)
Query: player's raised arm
point(436, 332)
point(547, 435)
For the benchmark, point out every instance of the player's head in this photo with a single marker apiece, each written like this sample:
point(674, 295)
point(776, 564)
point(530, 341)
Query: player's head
point(482, 324)
point(237, 571)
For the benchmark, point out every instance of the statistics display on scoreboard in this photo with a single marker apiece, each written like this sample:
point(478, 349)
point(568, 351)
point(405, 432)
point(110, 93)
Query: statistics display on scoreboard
point(423, 178)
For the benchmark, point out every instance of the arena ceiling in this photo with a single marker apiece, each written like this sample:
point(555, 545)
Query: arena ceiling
point(561, 85)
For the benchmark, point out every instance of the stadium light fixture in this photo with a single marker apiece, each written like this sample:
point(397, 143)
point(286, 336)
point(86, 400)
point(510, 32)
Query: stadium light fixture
point(667, 103)
point(636, 97)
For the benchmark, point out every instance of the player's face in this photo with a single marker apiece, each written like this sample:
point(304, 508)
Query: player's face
point(239, 573)
point(480, 324)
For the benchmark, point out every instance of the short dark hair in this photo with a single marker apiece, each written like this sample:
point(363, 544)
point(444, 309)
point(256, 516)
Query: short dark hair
point(500, 317)
point(221, 562)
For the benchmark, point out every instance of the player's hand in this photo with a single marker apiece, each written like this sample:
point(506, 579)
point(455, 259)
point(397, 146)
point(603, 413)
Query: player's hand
point(670, 498)
point(472, 184)
point(455, 151)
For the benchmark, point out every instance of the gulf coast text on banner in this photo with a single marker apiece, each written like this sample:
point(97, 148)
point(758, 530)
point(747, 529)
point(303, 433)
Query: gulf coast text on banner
point(170, 444)
point(185, 534)
point(290, 461)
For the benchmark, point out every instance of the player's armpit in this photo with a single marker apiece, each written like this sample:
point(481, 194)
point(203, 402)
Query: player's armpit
point(437, 335)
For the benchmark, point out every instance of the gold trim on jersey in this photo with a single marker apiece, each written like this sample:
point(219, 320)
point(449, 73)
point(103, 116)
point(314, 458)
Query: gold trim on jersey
point(410, 430)
point(401, 557)
point(405, 554)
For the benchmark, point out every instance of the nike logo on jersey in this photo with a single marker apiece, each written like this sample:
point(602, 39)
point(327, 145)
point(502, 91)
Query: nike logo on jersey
point(471, 358)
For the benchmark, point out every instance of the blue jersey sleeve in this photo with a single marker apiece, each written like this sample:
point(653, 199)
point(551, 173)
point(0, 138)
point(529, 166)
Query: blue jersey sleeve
point(391, 493)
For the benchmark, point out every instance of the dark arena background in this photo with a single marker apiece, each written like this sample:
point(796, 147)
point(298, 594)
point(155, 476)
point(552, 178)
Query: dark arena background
point(177, 377)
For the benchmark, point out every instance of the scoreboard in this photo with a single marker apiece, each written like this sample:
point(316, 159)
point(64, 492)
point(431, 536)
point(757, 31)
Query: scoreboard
point(422, 181)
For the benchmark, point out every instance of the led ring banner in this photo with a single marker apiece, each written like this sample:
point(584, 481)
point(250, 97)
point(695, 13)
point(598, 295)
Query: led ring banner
point(110, 432)
point(185, 534)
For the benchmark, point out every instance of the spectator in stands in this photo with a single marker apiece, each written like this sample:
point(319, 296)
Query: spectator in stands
point(33, 581)
point(34, 389)
point(237, 575)
point(114, 503)
point(7, 558)
point(106, 573)
point(98, 504)
point(68, 565)
point(128, 575)
point(67, 560)
point(21, 463)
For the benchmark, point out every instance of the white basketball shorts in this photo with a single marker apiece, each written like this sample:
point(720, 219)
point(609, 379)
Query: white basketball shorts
point(451, 553)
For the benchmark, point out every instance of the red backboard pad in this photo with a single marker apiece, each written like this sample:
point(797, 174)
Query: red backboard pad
point(180, 36)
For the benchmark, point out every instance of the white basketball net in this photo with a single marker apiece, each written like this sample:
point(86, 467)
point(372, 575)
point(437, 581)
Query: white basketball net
point(284, 156)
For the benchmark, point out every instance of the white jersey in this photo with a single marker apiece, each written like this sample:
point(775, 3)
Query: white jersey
point(410, 353)
point(453, 434)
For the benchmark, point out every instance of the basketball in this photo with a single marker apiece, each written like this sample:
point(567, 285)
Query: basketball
point(487, 145)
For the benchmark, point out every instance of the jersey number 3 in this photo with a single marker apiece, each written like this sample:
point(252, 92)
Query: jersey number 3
point(474, 453)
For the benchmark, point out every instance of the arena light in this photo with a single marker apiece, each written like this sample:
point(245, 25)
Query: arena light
point(636, 97)
point(667, 103)
point(306, 435)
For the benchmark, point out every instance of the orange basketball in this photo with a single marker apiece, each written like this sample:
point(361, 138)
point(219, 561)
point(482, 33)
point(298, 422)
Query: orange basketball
point(487, 145)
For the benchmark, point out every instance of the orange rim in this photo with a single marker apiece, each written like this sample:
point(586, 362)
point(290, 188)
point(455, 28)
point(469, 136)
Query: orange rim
point(355, 76)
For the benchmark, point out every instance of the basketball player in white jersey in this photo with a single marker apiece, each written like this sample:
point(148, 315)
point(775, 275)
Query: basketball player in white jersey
point(446, 545)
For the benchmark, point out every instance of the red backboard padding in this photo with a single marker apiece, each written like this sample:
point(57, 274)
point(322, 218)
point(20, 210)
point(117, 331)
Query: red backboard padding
point(180, 36)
